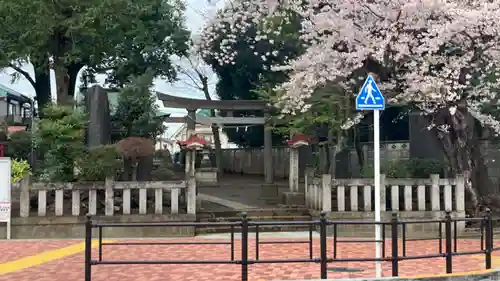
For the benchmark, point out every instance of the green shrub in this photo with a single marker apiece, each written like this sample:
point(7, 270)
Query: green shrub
point(162, 172)
point(98, 163)
point(163, 156)
point(408, 168)
point(20, 145)
point(19, 170)
point(60, 138)
point(422, 168)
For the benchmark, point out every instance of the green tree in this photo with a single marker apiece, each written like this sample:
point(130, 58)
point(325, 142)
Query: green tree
point(135, 116)
point(20, 145)
point(330, 109)
point(116, 37)
point(60, 139)
point(248, 71)
point(99, 162)
point(136, 111)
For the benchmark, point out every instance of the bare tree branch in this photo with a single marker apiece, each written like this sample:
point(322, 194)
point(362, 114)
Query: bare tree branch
point(193, 80)
point(23, 73)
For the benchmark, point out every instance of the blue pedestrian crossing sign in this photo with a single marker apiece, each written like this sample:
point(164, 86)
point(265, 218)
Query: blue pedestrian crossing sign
point(370, 97)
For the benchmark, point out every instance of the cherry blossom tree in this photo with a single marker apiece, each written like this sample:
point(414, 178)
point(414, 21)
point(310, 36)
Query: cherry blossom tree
point(249, 69)
point(439, 56)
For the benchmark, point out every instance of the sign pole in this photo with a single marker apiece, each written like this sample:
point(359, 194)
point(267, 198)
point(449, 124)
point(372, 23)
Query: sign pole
point(370, 98)
point(376, 179)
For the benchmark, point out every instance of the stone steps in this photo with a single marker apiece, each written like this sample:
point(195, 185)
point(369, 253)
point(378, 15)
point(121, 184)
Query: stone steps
point(279, 214)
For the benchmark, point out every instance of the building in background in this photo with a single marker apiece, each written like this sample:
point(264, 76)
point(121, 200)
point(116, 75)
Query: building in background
point(15, 109)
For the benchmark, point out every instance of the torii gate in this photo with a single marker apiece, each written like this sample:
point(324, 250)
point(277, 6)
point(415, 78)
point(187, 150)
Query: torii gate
point(227, 106)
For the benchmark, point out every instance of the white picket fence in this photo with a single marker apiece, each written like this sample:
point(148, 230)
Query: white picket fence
point(327, 194)
point(28, 191)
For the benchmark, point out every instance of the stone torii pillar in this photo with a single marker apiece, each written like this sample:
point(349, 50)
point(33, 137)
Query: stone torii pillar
point(293, 196)
point(269, 190)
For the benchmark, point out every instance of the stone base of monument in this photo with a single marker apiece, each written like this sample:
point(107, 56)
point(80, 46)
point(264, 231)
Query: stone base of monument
point(270, 193)
point(290, 198)
point(206, 175)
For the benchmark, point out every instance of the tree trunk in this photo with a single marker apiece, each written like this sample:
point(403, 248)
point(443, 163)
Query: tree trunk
point(42, 83)
point(332, 153)
point(128, 167)
point(458, 136)
point(218, 150)
point(62, 82)
point(145, 168)
point(215, 128)
point(359, 151)
point(72, 71)
point(335, 146)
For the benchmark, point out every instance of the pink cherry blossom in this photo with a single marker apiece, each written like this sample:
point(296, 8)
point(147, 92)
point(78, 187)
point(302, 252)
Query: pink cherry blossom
point(434, 54)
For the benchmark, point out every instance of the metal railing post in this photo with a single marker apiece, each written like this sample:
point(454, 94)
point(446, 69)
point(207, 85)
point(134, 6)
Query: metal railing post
point(232, 243)
point(88, 248)
point(489, 238)
point(394, 244)
point(244, 247)
point(311, 241)
point(322, 243)
point(257, 242)
point(448, 243)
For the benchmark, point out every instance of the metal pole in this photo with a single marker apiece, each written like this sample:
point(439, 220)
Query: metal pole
point(394, 244)
point(244, 247)
point(88, 248)
point(448, 244)
point(323, 245)
point(489, 239)
point(376, 178)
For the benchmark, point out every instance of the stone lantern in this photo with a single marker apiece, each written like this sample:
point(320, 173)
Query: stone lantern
point(192, 144)
point(195, 143)
point(294, 197)
point(299, 140)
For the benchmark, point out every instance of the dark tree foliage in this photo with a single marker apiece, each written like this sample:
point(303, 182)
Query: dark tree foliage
point(244, 79)
point(117, 38)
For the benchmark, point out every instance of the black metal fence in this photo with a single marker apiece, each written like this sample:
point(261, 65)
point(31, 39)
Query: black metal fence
point(398, 233)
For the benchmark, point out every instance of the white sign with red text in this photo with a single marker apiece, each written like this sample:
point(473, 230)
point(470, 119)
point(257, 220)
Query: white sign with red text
point(5, 186)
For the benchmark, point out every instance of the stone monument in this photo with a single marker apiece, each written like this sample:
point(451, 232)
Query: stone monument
point(97, 107)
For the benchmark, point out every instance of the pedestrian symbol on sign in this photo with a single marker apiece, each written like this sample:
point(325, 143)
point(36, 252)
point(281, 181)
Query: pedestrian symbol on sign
point(370, 97)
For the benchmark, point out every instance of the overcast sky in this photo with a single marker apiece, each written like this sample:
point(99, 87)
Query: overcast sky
point(196, 14)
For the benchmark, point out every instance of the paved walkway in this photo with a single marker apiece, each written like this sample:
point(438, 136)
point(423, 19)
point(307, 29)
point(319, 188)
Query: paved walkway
point(62, 260)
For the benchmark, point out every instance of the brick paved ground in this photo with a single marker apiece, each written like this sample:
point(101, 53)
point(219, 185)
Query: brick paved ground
point(16, 249)
point(71, 268)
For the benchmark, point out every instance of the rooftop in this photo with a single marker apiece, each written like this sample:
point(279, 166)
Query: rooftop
point(5, 91)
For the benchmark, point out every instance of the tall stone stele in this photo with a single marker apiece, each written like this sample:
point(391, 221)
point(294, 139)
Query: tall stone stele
point(97, 108)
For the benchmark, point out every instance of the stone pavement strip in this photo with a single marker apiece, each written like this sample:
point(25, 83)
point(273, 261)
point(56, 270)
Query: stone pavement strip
point(70, 267)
